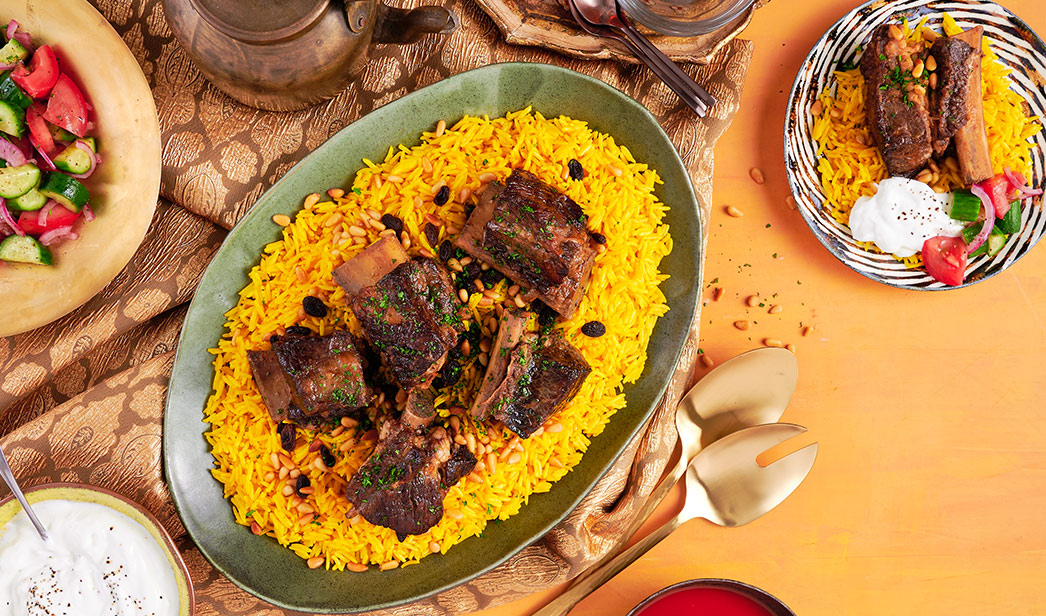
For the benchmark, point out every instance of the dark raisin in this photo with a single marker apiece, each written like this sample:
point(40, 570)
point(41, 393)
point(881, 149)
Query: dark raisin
point(328, 458)
point(449, 374)
point(298, 330)
point(468, 209)
point(446, 251)
point(274, 338)
point(491, 277)
point(546, 315)
point(314, 306)
point(431, 233)
point(577, 172)
point(442, 195)
point(599, 238)
point(288, 435)
point(392, 222)
point(473, 270)
point(301, 482)
point(593, 329)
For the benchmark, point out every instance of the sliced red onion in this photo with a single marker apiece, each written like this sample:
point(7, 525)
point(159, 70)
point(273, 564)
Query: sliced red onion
point(46, 211)
point(22, 37)
point(48, 163)
point(11, 154)
point(88, 213)
point(56, 234)
point(9, 220)
point(1020, 184)
point(90, 153)
point(7, 67)
point(989, 218)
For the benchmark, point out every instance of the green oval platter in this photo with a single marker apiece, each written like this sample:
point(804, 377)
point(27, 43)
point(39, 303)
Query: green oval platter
point(261, 566)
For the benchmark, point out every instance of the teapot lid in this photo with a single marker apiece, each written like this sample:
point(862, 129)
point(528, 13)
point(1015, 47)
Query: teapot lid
point(261, 21)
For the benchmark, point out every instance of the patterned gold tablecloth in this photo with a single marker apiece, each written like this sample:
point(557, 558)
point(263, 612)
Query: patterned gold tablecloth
point(82, 399)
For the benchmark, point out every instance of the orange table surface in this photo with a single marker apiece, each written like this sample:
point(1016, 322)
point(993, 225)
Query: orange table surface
point(929, 492)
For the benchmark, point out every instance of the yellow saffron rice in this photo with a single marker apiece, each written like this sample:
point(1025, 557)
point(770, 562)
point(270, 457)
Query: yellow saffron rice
point(850, 164)
point(617, 193)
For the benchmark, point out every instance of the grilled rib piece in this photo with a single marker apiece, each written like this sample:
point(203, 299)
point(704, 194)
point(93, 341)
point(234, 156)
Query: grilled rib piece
point(949, 101)
point(511, 328)
point(408, 309)
point(536, 236)
point(311, 380)
point(896, 102)
point(403, 483)
point(543, 375)
point(959, 86)
point(420, 410)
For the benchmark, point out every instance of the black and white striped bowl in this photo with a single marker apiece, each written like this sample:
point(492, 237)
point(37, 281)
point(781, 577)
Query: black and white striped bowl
point(1013, 42)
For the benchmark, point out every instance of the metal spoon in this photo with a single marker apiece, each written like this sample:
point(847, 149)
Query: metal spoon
point(724, 485)
point(751, 389)
point(9, 479)
point(606, 14)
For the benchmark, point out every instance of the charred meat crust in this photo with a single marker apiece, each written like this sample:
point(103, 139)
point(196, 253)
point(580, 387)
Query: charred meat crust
point(950, 100)
point(403, 483)
point(544, 374)
point(511, 328)
point(536, 236)
point(409, 313)
point(896, 102)
point(971, 140)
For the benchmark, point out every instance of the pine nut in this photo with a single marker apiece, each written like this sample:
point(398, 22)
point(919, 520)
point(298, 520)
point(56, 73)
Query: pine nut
point(306, 508)
point(332, 220)
point(434, 547)
point(616, 171)
point(836, 113)
point(312, 200)
point(487, 177)
point(513, 290)
point(808, 330)
point(470, 441)
point(287, 491)
point(790, 347)
point(518, 300)
point(933, 81)
point(479, 285)
point(437, 186)
point(357, 567)
point(349, 422)
point(733, 211)
point(315, 562)
point(255, 528)
point(464, 195)
point(357, 231)
point(924, 176)
point(484, 345)
point(917, 72)
point(425, 252)
point(706, 361)
point(275, 461)
point(776, 309)
point(395, 179)
point(480, 466)
point(717, 293)
point(336, 193)
point(392, 564)
point(742, 325)
point(295, 473)
point(281, 219)
point(455, 514)
point(859, 138)
point(426, 164)
point(515, 458)
point(556, 427)
point(895, 32)
point(466, 348)
point(306, 519)
point(307, 490)
point(441, 127)
point(931, 63)
point(952, 164)
point(285, 460)
point(929, 35)
point(790, 201)
point(475, 478)
point(460, 440)
point(773, 342)
point(270, 476)
point(817, 108)
point(284, 472)
point(405, 240)
point(752, 301)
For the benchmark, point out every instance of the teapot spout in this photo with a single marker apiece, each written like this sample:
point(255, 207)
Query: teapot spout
point(400, 26)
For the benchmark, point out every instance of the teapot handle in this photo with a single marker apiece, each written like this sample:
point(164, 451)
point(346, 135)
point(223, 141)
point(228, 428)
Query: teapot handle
point(400, 26)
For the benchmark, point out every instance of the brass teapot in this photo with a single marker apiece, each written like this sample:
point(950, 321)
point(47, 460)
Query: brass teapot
point(283, 55)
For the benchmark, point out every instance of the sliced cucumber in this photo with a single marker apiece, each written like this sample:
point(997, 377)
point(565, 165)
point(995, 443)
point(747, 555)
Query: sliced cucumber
point(11, 93)
point(995, 243)
point(16, 181)
point(65, 190)
point(13, 52)
point(60, 134)
point(24, 249)
point(12, 119)
point(965, 206)
point(30, 201)
point(73, 159)
point(1011, 222)
point(90, 141)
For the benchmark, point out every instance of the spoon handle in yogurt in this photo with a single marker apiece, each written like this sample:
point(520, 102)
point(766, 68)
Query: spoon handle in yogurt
point(9, 479)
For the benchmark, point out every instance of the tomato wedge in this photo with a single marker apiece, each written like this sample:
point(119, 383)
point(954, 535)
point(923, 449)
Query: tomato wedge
point(945, 259)
point(42, 73)
point(998, 188)
point(66, 106)
point(39, 135)
point(57, 218)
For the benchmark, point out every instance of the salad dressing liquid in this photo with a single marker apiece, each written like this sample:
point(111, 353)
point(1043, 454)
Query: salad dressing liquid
point(97, 562)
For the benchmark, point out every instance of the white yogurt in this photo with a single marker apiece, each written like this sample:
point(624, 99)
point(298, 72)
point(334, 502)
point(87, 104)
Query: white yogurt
point(97, 562)
point(902, 215)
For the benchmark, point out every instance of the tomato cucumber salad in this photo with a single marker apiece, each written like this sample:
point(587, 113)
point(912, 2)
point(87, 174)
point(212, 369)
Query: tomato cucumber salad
point(46, 153)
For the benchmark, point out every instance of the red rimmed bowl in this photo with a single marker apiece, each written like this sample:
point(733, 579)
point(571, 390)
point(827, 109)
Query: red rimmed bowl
point(711, 597)
point(83, 493)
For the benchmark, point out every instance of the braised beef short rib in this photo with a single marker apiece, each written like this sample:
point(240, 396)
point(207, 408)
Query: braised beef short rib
point(534, 235)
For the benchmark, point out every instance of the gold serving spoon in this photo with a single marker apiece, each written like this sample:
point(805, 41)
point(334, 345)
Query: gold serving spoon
point(9, 478)
point(725, 486)
point(751, 389)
